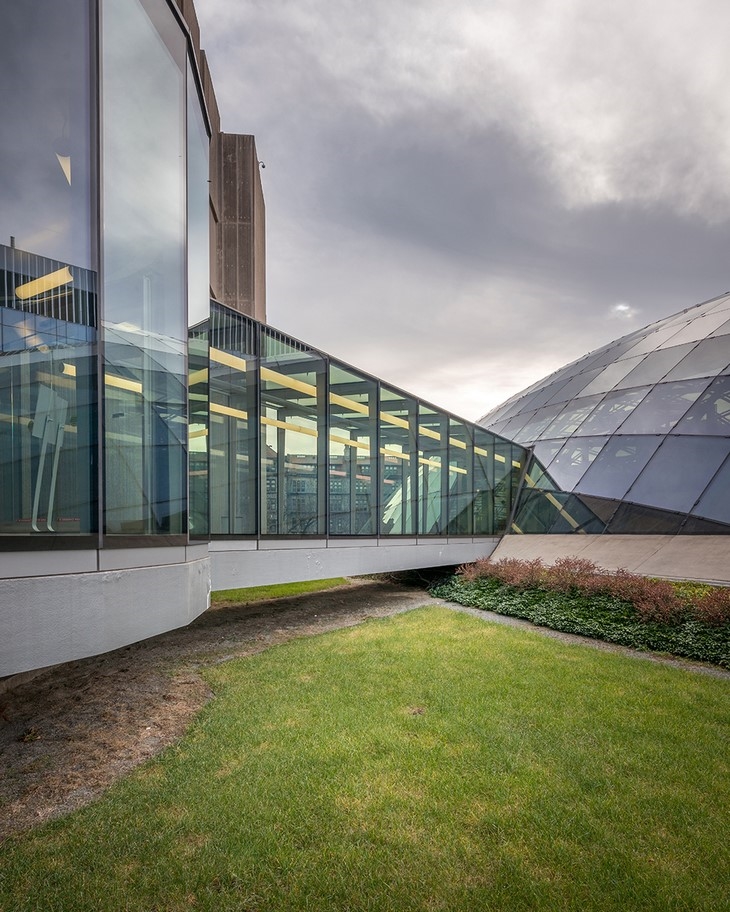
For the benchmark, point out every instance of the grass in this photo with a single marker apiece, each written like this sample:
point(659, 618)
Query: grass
point(430, 761)
point(599, 615)
point(280, 590)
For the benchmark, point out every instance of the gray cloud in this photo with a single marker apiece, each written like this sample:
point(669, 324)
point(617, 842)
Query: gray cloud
point(459, 197)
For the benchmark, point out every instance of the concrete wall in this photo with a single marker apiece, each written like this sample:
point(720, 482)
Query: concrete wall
point(696, 557)
point(67, 611)
point(261, 563)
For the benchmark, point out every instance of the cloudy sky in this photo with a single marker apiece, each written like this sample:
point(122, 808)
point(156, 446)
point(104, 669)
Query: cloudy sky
point(463, 196)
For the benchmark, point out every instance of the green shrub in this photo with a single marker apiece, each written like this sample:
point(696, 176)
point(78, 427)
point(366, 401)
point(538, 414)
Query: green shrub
point(575, 596)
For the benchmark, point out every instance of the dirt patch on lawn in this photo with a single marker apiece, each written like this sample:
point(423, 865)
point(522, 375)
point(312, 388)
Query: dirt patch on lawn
point(68, 734)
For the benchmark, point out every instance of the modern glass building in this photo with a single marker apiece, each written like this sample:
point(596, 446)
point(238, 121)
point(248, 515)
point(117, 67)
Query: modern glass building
point(159, 438)
point(634, 437)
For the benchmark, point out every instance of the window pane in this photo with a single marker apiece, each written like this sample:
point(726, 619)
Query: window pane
point(707, 359)
point(617, 466)
point(698, 328)
point(611, 375)
point(398, 463)
point(711, 413)
point(433, 481)
point(461, 479)
point(484, 523)
point(293, 448)
point(352, 453)
point(663, 407)
point(612, 412)
point(678, 472)
point(145, 326)
point(234, 423)
point(570, 419)
point(573, 460)
point(715, 502)
point(654, 366)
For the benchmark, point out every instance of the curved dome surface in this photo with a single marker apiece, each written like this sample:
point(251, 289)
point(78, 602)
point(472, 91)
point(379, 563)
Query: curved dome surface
point(635, 436)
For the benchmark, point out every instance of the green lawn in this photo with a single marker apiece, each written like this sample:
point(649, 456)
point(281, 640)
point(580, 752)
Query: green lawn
point(430, 761)
point(278, 590)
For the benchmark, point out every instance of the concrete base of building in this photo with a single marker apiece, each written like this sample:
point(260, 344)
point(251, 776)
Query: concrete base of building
point(261, 563)
point(705, 558)
point(53, 618)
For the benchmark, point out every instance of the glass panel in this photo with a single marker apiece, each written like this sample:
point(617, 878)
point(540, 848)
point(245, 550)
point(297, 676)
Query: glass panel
point(461, 478)
point(145, 325)
point(652, 340)
point(48, 409)
point(233, 423)
point(697, 329)
point(398, 463)
point(352, 453)
point(711, 413)
point(663, 407)
point(612, 412)
point(198, 431)
point(573, 460)
point(484, 522)
point(570, 419)
point(433, 481)
point(198, 208)
point(715, 502)
point(678, 472)
point(293, 440)
point(707, 359)
point(618, 464)
point(45, 105)
point(574, 386)
point(503, 484)
point(654, 366)
point(722, 330)
point(635, 519)
point(611, 375)
point(537, 424)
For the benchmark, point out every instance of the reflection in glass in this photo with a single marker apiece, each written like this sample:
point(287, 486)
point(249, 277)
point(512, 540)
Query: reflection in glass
point(612, 412)
point(654, 366)
point(663, 407)
point(45, 109)
point(571, 417)
point(461, 479)
point(573, 460)
point(352, 452)
point(679, 471)
point(145, 326)
point(233, 423)
point(707, 359)
point(398, 463)
point(711, 413)
point(48, 474)
point(616, 467)
point(433, 481)
point(715, 501)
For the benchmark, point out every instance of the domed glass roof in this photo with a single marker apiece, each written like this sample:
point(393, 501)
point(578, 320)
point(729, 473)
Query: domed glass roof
point(638, 431)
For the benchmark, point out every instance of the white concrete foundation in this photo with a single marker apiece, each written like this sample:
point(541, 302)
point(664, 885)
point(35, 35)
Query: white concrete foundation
point(705, 558)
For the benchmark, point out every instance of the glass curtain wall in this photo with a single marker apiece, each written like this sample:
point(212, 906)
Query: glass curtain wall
point(48, 272)
point(293, 388)
point(198, 256)
point(461, 479)
point(433, 481)
point(145, 274)
point(352, 458)
point(398, 418)
point(234, 345)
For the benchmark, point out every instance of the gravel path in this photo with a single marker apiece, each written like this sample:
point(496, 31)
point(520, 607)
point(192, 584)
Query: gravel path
point(69, 733)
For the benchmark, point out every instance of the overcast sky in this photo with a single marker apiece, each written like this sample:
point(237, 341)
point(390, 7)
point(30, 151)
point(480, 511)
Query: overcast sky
point(463, 196)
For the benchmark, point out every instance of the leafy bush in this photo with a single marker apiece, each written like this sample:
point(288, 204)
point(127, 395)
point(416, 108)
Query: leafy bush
point(576, 596)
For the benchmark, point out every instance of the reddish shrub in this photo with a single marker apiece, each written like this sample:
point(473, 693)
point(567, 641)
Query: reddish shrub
point(714, 606)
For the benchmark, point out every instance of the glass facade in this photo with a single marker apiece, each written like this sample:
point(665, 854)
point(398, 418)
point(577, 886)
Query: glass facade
point(48, 274)
point(633, 438)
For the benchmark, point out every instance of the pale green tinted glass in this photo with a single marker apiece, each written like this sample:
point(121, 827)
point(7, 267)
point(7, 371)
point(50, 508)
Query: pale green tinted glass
point(293, 439)
point(233, 424)
point(398, 463)
point(352, 460)
point(461, 479)
point(433, 478)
